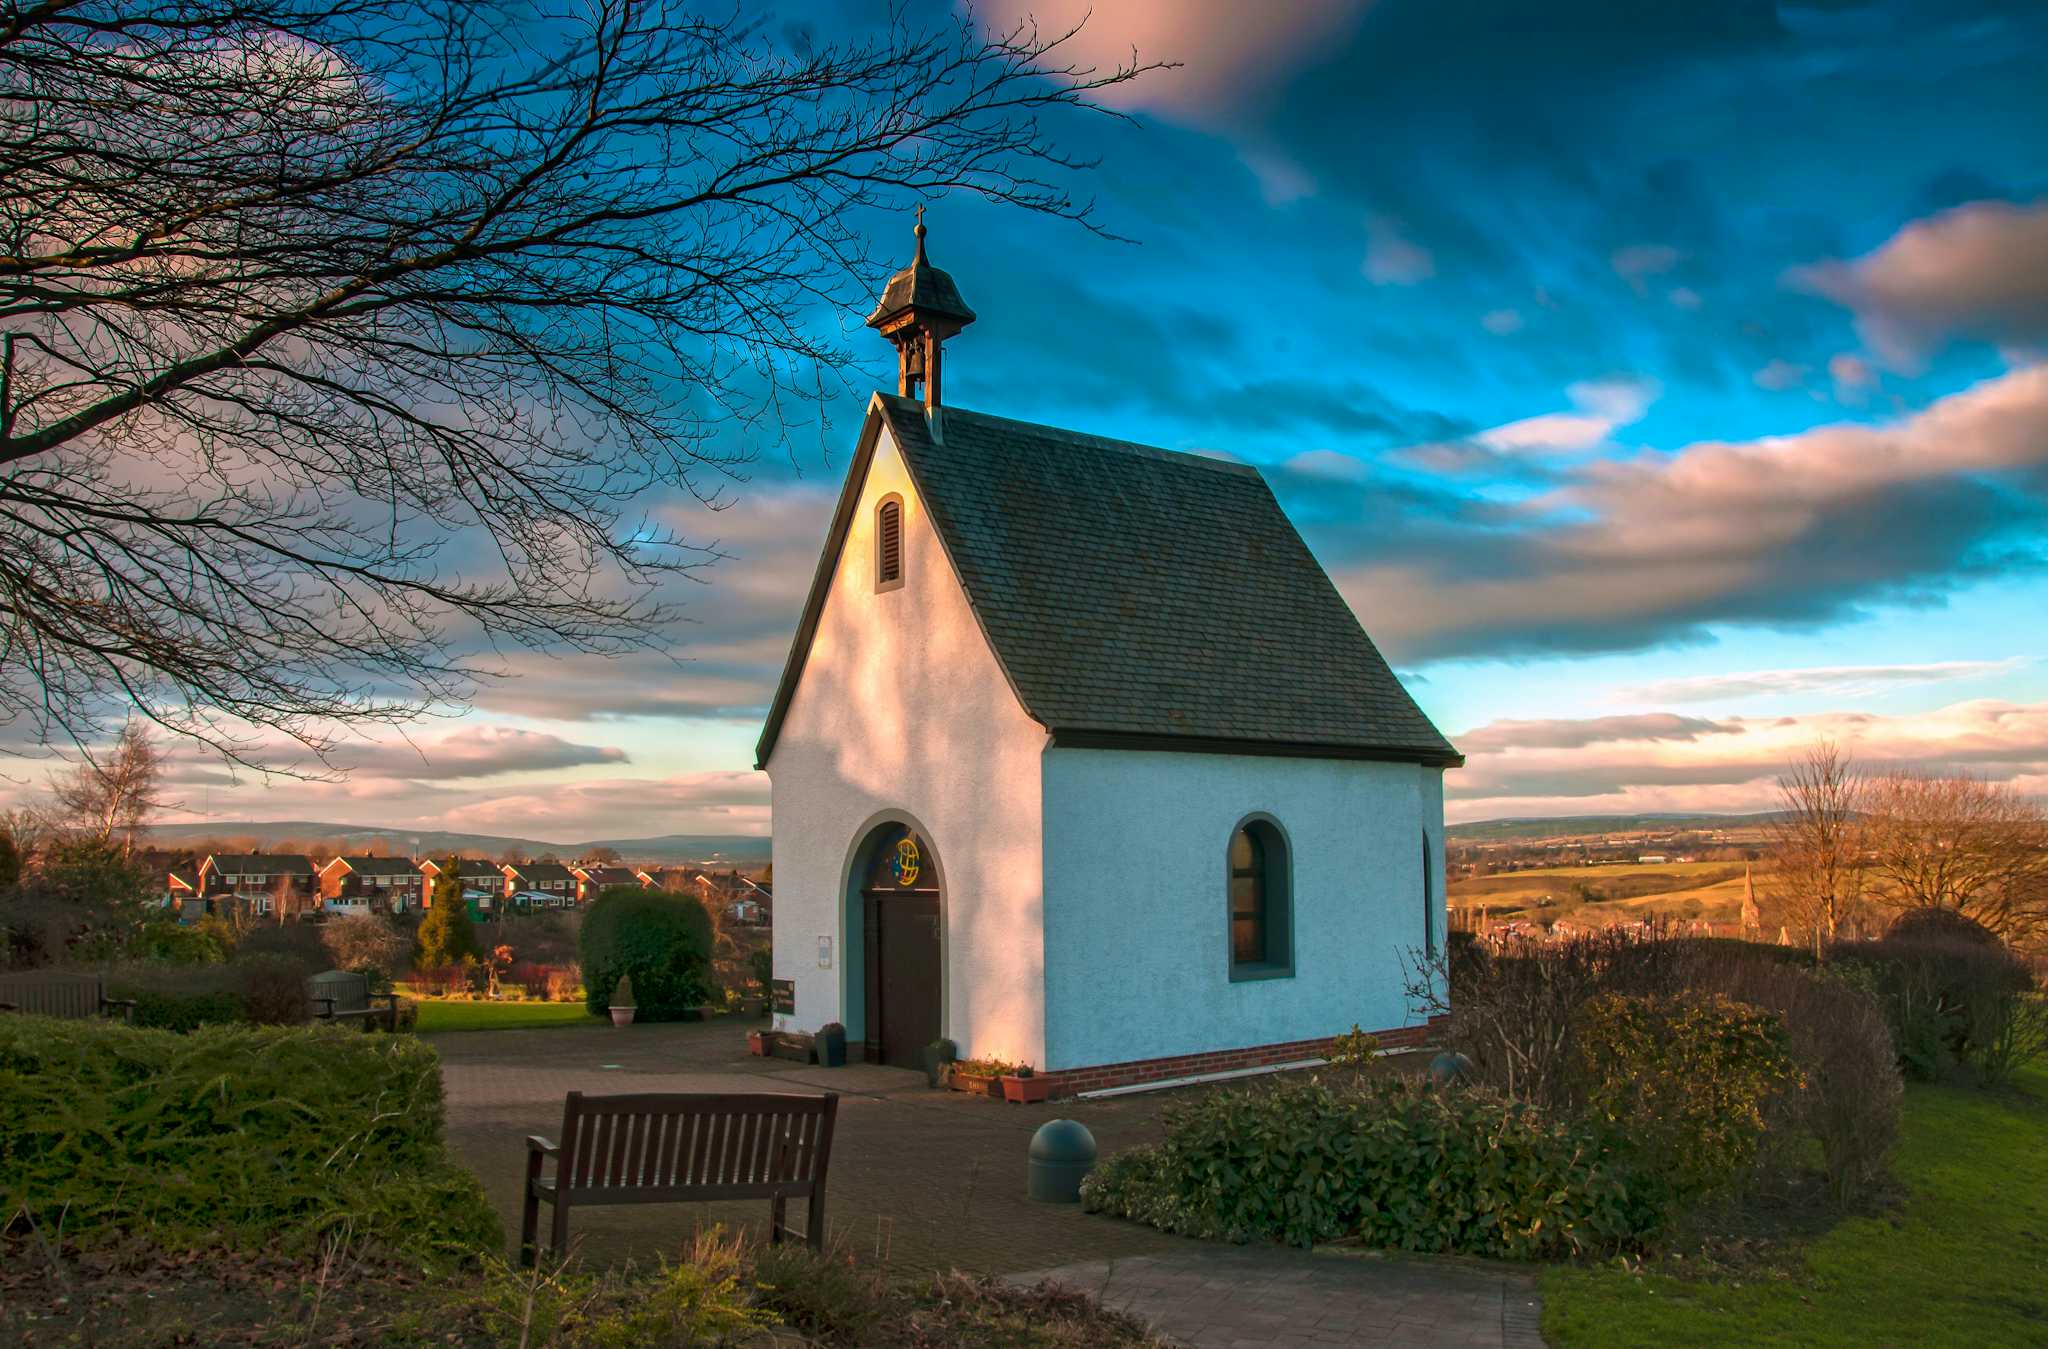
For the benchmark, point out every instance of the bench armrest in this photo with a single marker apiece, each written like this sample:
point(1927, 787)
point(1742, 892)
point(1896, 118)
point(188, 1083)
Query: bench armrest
point(323, 1015)
point(535, 1143)
point(126, 1005)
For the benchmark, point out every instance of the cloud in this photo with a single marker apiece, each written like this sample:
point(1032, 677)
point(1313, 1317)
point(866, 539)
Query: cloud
point(1979, 270)
point(384, 766)
point(1603, 405)
point(1570, 767)
point(1573, 734)
point(1843, 679)
point(1391, 258)
point(1638, 262)
point(1791, 530)
point(1780, 374)
point(1230, 53)
point(1501, 322)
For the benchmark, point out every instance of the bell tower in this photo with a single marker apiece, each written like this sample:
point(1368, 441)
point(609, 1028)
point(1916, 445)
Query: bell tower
point(920, 308)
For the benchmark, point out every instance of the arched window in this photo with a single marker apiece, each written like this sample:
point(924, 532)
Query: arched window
point(1261, 902)
point(1428, 902)
point(889, 543)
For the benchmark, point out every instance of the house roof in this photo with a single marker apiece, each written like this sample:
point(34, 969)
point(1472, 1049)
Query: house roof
point(378, 866)
point(1135, 597)
point(467, 866)
point(537, 872)
point(609, 875)
point(263, 864)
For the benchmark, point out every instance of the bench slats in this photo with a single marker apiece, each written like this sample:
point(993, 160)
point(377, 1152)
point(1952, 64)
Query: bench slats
point(647, 1149)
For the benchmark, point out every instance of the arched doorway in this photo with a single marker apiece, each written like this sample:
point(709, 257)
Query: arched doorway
point(900, 952)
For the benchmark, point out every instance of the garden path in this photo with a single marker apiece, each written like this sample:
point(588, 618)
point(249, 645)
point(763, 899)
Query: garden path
point(924, 1179)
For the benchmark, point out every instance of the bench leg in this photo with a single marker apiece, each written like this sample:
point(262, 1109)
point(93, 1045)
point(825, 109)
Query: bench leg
point(814, 1230)
point(559, 1245)
point(778, 1219)
point(529, 1227)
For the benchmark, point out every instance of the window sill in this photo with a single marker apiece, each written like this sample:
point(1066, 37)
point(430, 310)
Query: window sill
point(1240, 974)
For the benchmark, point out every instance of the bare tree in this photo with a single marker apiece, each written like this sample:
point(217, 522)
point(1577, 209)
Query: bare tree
point(1960, 843)
point(345, 344)
point(111, 795)
point(1817, 842)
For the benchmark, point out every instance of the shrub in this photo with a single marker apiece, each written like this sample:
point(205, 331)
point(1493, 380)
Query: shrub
point(206, 942)
point(1948, 999)
point(1387, 1161)
point(298, 943)
point(535, 981)
point(761, 965)
point(255, 1138)
point(273, 990)
point(446, 934)
point(445, 981)
point(823, 1296)
point(661, 941)
point(622, 992)
point(1681, 1083)
point(365, 943)
point(1843, 1050)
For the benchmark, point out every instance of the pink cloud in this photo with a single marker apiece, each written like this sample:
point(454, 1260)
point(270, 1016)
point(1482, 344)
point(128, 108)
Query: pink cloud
point(1979, 270)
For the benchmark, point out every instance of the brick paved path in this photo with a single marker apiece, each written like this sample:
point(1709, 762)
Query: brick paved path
point(924, 1179)
point(1242, 1297)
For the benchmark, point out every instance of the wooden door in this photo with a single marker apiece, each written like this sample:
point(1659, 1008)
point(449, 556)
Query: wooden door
point(905, 962)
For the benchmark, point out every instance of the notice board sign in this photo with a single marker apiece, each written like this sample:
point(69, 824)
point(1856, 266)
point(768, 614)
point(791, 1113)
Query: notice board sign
point(782, 997)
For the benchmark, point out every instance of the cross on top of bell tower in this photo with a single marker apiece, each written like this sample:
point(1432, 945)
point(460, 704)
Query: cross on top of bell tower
point(920, 308)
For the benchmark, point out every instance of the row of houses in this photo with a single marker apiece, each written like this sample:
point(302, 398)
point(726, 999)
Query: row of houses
point(295, 883)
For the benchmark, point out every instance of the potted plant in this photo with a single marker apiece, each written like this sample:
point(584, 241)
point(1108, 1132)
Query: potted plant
point(758, 1042)
point(937, 1055)
point(622, 1001)
point(981, 1077)
point(1024, 1087)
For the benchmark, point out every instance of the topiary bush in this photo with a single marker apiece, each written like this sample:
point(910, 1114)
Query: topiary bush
point(661, 941)
point(253, 1138)
point(1682, 1085)
point(1389, 1162)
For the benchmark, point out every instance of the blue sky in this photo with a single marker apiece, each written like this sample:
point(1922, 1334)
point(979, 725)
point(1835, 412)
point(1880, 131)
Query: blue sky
point(1661, 385)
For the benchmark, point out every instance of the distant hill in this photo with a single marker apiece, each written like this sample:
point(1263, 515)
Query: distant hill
point(744, 849)
point(1573, 826)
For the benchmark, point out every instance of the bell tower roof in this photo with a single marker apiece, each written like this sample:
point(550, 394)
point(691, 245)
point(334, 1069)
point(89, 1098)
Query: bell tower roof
point(919, 310)
point(921, 290)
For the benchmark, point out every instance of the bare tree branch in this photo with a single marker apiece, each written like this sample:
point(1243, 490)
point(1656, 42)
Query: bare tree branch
point(345, 344)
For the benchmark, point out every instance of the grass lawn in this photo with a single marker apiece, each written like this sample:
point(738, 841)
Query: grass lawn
point(1962, 1260)
point(438, 1015)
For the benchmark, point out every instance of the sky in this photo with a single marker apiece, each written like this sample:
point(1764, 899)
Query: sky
point(1665, 387)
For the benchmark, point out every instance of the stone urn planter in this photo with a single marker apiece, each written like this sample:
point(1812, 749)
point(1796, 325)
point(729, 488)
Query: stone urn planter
point(622, 1002)
point(622, 1016)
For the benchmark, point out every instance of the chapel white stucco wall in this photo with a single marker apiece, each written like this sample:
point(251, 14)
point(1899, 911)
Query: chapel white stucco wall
point(1136, 926)
point(902, 713)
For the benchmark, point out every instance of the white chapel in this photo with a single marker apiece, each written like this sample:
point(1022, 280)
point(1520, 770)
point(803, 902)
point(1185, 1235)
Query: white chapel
point(1080, 760)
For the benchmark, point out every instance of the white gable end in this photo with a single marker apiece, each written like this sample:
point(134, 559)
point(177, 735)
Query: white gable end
point(901, 712)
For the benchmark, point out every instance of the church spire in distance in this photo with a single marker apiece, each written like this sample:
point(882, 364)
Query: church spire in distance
point(920, 308)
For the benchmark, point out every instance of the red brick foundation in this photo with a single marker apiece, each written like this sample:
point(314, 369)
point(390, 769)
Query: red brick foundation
point(1074, 1081)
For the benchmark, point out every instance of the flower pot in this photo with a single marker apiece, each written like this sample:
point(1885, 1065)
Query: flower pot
point(1026, 1090)
point(757, 1043)
point(936, 1057)
point(622, 1016)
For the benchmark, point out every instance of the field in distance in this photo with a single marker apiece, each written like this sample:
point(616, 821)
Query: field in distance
point(1594, 896)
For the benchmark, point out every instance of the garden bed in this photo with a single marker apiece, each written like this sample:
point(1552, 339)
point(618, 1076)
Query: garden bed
point(460, 1015)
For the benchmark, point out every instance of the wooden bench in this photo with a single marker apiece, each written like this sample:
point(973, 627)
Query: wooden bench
point(681, 1147)
point(339, 995)
point(65, 993)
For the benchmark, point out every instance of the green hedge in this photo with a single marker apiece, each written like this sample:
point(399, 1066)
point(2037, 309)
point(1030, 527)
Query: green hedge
point(661, 941)
point(1392, 1163)
point(249, 1137)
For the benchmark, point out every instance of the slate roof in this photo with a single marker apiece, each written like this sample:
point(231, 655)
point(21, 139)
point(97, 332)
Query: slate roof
point(534, 873)
point(263, 864)
point(1140, 598)
point(380, 866)
point(604, 876)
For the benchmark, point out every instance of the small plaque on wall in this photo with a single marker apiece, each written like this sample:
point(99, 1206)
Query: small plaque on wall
point(782, 996)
